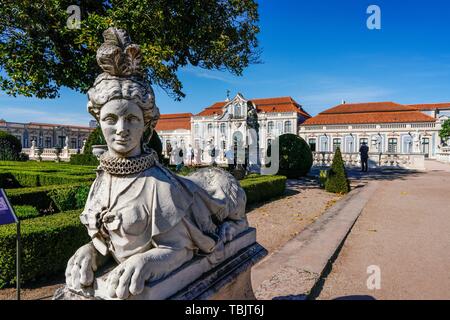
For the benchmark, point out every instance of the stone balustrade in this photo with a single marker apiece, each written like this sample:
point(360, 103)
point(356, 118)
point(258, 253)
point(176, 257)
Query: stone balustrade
point(392, 160)
point(50, 154)
point(444, 154)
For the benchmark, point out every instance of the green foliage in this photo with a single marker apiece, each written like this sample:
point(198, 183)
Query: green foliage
point(337, 181)
point(47, 244)
point(14, 179)
point(24, 212)
point(444, 133)
point(262, 188)
point(39, 53)
point(10, 147)
point(84, 160)
point(323, 178)
point(95, 138)
point(295, 156)
point(49, 199)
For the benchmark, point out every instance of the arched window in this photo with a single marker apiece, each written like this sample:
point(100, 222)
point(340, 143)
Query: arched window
point(270, 127)
point(287, 127)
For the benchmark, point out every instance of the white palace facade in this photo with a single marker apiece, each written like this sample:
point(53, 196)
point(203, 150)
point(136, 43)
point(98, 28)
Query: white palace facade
point(219, 125)
point(397, 135)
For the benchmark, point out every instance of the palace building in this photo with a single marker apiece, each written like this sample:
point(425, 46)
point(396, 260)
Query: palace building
point(397, 135)
point(222, 124)
point(48, 137)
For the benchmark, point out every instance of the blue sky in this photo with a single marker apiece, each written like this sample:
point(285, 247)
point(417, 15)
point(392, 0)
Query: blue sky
point(318, 52)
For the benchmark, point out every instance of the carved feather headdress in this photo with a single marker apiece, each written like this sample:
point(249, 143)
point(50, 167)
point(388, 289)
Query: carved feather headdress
point(117, 56)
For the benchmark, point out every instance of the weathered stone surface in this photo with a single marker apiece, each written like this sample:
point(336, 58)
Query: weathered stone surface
point(219, 275)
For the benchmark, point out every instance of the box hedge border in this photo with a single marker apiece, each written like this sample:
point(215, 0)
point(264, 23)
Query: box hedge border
point(47, 244)
point(263, 188)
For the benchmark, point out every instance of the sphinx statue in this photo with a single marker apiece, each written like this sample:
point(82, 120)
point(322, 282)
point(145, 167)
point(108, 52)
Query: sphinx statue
point(146, 219)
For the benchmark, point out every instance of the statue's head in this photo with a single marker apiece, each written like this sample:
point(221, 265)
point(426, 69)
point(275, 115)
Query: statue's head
point(120, 99)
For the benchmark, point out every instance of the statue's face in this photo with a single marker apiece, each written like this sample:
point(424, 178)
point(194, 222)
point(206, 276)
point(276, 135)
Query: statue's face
point(122, 123)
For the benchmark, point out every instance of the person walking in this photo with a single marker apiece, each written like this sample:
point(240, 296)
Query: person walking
point(364, 153)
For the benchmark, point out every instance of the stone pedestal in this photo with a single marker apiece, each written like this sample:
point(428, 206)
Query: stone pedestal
point(222, 275)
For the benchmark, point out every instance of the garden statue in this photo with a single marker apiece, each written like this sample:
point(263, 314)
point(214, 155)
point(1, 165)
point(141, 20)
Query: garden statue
point(148, 219)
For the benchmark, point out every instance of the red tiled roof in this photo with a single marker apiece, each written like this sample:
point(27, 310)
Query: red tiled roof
point(373, 112)
point(281, 104)
point(174, 121)
point(368, 107)
point(431, 106)
point(370, 117)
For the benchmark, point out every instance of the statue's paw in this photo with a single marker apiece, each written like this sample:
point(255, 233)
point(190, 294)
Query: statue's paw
point(128, 278)
point(227, 231)
point(80, 270)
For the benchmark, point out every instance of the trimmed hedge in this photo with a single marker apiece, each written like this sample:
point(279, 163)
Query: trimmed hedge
point(263, 188)
point(18, 179)
point(48, 199)
point(84, 160)
point(26, 212)
point(47, 244)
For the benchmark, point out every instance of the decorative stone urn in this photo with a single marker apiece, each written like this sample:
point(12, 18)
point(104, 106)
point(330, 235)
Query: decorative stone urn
point(154, 234)
point(98, 150)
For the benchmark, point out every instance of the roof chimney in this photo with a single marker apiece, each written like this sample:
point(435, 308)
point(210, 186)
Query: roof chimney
point(343, 101)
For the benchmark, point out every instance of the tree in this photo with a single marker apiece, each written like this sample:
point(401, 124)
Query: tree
point(337, 181)
point(444, 133)
point(39, 53)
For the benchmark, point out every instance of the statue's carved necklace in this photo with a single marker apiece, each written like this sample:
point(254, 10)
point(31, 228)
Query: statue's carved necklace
point(125, 166)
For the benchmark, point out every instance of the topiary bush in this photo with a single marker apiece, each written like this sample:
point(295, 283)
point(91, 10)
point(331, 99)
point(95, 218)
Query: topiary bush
point(47, 244)
point(10, 147)
point(337, 181)
point(296, 157)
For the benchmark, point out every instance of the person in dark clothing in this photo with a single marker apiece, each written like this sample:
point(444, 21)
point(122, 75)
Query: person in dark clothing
point(364, 152)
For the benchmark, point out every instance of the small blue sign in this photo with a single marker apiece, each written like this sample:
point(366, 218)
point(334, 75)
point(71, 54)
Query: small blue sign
point(7, 215)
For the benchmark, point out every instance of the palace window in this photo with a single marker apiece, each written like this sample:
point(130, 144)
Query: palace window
point(210, 128)
point(222, 128)
point(48, 142)
point(392, 145)
point(287, 127)
point(73, 143)
point(336, 143)
point(270, 126)
point(196, 129)
point(324, 144)
point(312, 144)
point(363, 140)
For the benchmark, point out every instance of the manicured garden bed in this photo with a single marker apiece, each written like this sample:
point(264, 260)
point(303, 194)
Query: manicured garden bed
point(50, 238)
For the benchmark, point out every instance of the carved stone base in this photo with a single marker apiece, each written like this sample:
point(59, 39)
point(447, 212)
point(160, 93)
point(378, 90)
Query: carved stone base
point(219, 276)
